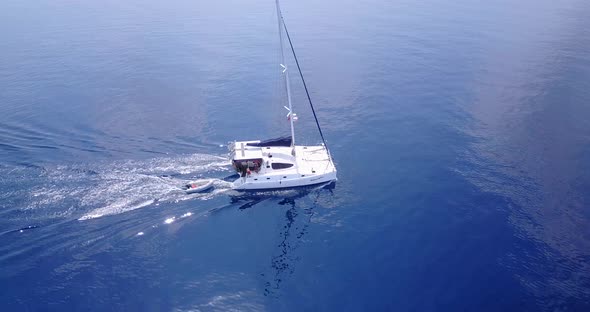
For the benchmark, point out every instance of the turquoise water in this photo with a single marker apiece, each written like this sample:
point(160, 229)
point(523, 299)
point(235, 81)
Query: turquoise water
point(460, 132)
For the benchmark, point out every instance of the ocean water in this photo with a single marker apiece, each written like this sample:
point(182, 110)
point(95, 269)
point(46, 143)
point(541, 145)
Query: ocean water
point(460, 130)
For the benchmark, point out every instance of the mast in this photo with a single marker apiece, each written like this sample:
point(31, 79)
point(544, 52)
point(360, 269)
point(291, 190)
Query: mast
point(304, 86)
point(286, 73)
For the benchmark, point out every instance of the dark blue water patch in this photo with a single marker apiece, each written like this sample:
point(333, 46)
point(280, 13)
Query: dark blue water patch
point(101, 240)
point(415, 248)
point(9, 147)
point(21, 230)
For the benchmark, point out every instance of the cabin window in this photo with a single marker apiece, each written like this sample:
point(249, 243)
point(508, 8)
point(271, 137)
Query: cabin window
point(281, 166)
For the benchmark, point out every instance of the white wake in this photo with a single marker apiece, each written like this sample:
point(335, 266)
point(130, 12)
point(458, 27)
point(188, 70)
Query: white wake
point(95, 190)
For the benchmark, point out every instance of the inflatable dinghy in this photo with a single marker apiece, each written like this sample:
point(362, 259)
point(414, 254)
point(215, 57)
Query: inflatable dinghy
point(198, 186)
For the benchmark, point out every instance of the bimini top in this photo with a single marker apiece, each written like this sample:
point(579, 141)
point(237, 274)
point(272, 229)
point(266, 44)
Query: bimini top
point(282, 141)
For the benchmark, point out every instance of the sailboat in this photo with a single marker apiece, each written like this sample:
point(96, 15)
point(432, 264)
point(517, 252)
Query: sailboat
point(279, 163)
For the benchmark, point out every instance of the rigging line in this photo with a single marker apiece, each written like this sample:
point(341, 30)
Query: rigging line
point(305, 86)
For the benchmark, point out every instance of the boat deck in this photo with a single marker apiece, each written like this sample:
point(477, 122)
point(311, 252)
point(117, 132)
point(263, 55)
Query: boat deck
point(310, 165)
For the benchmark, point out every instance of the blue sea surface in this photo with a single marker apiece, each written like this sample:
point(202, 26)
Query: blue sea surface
point(460, 131)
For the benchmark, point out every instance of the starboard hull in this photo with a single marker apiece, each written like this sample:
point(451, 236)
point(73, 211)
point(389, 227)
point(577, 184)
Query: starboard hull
point(249, 184)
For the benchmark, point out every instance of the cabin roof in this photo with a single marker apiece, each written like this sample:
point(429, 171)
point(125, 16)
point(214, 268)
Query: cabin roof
point(242, 151)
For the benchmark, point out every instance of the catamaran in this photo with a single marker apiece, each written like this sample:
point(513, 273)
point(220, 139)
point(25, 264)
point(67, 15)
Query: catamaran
point(279, 163)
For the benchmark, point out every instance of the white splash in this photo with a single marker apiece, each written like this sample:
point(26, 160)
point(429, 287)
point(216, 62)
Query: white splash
point(102, 189)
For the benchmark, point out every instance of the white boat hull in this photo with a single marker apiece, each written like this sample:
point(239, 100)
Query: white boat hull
point(311, 165)
point(198, 186)
point(248, 184)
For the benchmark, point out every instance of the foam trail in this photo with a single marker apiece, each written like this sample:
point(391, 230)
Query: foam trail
point(114, 209)
point(174, 194)
point(99, 189)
